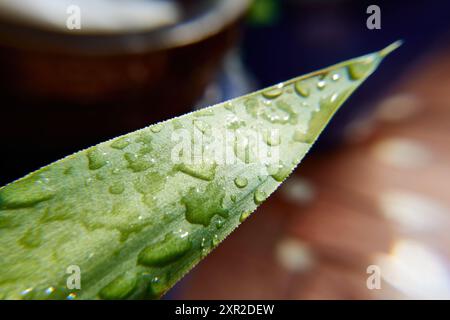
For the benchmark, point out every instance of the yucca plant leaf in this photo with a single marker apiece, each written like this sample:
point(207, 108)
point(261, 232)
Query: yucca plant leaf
point(129, 217)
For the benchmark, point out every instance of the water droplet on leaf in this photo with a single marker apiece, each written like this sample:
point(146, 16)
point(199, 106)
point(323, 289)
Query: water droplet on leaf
point(259, 196)
point(202, 206)
point(241, 182)
point(120, 287)
point(26, 192)
point(96, 158)
point(244, 216)
point(166, 251)
point(120, 143)
point(117, 188)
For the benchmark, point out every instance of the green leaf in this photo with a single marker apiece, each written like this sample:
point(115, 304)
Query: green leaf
point(136, 213)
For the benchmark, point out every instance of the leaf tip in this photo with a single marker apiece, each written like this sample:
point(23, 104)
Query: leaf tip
point(390, 48)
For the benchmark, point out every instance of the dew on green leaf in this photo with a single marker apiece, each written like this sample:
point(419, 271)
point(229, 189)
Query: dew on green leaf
point(120, 143)
point(207, 112)
point(166, 251)
point(156, 287)
point(272, 93)
point(302, 89)
point(360, 69)
point(26, 192)
point(244, 215)
point(58, 216)
point(252, 107)
point(259, 196)
point(138, 163)
point(321, 84)
point(240, 182)
point(117, 188)
point(279, 172)
point(156, 128)
point(96, 158)
point(200, 171)
point(203, 205)
point(120, 287)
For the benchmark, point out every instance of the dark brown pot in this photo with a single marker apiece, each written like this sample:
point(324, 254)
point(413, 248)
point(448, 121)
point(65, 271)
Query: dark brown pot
point(72, 90)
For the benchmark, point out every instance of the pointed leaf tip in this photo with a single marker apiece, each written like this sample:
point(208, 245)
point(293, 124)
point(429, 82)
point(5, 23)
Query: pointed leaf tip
point(390, 48)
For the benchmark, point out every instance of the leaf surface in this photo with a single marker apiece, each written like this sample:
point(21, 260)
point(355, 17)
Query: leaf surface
point(136, 213)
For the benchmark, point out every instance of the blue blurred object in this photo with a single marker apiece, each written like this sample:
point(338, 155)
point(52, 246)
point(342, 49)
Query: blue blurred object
point(305, 35)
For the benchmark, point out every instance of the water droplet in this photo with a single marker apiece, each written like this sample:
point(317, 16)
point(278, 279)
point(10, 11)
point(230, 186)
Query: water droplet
point(96, 158)
point(318, 120)
point(203, 243)
point(120, 143)
point(283, 113)
point(145, 150)
point(321, 84)
point(150, 200)
point(301, 89)
point(272, 138)
point(360, 69)
point(205, 247)
point(219, 223)
point(100, 176)
point(68, 170)
point(117, 188)
point(235, 123)
point(230, 107)
point(205, 172)
point(202, 206)
point(26, 192)
point(32, 238)
point(156, 288)
point(279, 172)
point(252, 107)
point(301, 136)
point(245, 215)
point(335, 76)
point(241, 182)
point(144, 138)
point(177, 124)
point(156, 128)
point(259, 196)
point(204, 112)
point(215, 240)
point(120, 287)
point(233, 198)
point(151, 182)
point(138, 163)
point(166, 251)
point(273, 93)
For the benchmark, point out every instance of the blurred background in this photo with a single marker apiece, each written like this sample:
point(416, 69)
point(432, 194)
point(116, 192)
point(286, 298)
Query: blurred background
point(373, 192)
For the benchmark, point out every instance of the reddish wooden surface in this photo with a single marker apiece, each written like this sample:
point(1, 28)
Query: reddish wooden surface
point(382, 199)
